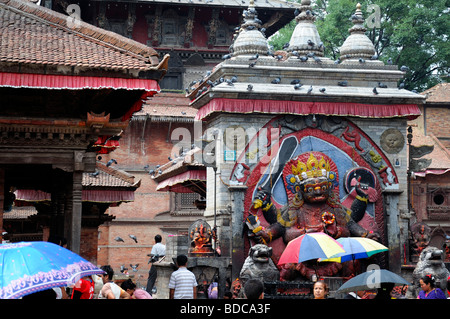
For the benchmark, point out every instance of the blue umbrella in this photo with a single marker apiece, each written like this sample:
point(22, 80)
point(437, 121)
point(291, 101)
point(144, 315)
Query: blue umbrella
point(29, 267)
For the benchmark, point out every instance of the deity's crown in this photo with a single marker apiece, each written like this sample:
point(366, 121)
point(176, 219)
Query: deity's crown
point(312, 168)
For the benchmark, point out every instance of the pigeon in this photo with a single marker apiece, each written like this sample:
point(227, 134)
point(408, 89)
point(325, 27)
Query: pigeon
point(94, 174)
point(382, 85)
point(310, 90)
point(230, 82)
point(119, 239)
point(342, 83)
point(303, 58)
point(134, 267)
point(112, 160)
point(277, 80)
point(374, 57)
point(389, 61)
point(279, 57)
point(169, 158)
point(317, 59)
point(310, 43)
point(337, 61)
point(226, 57)
point(296, 12)
point(295, 53)
point(375, 90)
point(297, 86)
point(286, 45)
point(151, 172)
point(249, 87)
point(254, 57)
point(251, 65)
point(401, 86)
point(361, 60)
point(234, 79)
point(404, 68)
point(123, 269)
point(134, 238)
point(322, 90)
point(183, 112)
point(297, 81)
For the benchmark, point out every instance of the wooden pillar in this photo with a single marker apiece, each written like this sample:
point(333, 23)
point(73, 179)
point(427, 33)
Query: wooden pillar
point(73, 208)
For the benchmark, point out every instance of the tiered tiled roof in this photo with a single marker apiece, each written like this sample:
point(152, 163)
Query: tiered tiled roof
point(32, 34)
point(439, 93)
point(108, 176)
point(167, 106)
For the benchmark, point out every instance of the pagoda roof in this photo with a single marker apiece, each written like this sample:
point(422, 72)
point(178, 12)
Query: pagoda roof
point(439, 94)
point(263, 4)
point(39, 40)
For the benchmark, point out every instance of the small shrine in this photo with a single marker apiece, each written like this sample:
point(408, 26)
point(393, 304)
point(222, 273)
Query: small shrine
point(305, 144)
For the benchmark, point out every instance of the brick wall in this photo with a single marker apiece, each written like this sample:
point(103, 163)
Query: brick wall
point(437, 121)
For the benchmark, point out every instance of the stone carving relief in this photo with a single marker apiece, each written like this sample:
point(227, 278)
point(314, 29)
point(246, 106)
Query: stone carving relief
point(392, 141)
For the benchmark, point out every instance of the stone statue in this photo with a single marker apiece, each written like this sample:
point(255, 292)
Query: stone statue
point(259, 264)
point(201, 236)
point(421, 235)
point(313, 207)
point(431, 262)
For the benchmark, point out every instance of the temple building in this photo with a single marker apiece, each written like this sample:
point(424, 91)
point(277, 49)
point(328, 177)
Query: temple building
point(277, 120)
point(68, 91)
point(430, 174)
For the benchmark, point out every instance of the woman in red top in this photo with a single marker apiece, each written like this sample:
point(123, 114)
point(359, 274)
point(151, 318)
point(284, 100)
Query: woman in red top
point(84, 289)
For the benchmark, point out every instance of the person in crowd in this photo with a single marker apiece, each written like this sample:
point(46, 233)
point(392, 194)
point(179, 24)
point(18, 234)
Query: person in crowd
point(182, 282)
point(429, 290)
point(254, 289)
point(320, 290)
point(157, 253)
point(84, 288)
point(110, 289)
point(135, 293)
point(385, 290)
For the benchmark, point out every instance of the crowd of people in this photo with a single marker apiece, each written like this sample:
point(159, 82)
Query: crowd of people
point(183, 285)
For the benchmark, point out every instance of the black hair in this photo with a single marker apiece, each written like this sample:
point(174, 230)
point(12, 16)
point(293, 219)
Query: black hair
point(128, 284)
point(253, 288)
point(158, 238)
point(429, 279)
point(182, 260)
point(108, 270)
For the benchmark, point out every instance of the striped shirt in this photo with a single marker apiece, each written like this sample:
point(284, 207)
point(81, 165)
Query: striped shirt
point(183, 281)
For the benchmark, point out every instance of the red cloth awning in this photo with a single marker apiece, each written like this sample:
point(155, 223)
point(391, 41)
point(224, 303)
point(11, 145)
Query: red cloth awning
point(87, 195)
point(180, 183)
point(60, 82)
point(410, 111)
point(432, 171)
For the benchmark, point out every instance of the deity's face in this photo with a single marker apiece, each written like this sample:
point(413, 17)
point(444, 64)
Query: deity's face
point(315, 190)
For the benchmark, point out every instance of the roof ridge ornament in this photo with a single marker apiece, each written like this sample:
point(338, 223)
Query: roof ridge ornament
point(250, 38)
point(357, 46)
point(306, 39)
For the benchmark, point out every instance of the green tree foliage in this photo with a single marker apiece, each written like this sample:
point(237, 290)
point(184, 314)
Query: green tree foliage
point(413, 33)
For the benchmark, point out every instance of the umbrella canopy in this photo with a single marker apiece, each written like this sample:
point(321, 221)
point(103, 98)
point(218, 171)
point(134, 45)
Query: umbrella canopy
point(356, 248)
point(29, 267)
point(372, 280)
point(310, 246)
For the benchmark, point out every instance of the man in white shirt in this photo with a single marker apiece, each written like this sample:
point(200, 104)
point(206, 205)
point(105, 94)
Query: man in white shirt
point(182, 283)
point(157, 253)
